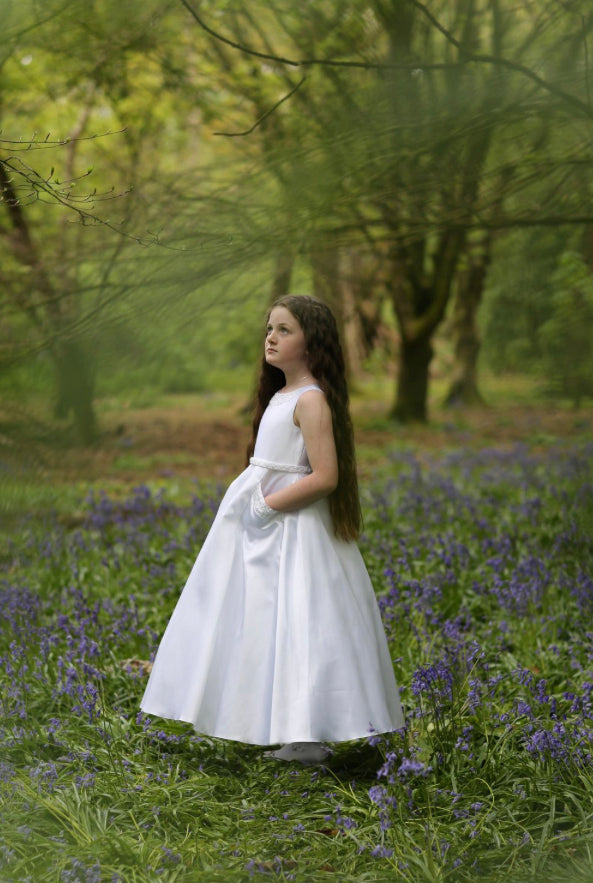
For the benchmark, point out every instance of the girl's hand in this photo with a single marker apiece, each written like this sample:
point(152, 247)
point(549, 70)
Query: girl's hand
point(313, 415)
point(260, 511)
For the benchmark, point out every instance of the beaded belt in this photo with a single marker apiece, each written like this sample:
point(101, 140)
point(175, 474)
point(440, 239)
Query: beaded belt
point(280, 467)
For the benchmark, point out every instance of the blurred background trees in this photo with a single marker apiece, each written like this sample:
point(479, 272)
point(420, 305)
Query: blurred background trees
point(169, 168)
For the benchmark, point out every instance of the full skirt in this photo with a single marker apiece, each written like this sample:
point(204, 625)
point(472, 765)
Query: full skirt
point(277, 635)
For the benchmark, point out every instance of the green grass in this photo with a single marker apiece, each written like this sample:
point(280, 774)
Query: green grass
point(482, 561)
point(152, 462)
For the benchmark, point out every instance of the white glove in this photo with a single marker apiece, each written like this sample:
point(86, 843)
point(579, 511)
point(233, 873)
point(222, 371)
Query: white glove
point(260, 509)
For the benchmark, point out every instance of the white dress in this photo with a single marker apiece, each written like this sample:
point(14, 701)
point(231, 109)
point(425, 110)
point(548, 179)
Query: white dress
point(277, 635)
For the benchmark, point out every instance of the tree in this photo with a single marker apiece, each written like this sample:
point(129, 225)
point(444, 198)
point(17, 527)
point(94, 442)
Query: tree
point(64, 275)
point(409, 142)
point(470, 282)
point(404, 146)
point(518, 297)
point(567, 336)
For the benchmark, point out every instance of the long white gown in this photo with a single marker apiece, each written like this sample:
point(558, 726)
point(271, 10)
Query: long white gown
point(277, 635)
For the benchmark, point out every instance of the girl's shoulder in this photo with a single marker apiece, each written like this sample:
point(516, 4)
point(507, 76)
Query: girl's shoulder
point(312, 388)
point(310, 394)
point(311, 404)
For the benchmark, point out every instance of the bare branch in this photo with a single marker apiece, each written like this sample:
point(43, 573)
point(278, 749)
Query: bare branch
point(265, 116)
point(309, 62)
point(21, 146)
point(481, 58)
point(41, 187)
point(465, 58)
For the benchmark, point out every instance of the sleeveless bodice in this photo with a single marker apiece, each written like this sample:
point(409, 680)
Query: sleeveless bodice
point(280, 444)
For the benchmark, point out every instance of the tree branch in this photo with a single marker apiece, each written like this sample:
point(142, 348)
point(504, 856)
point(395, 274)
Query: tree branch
point(26, 146)
point(407, 235)
point(309, 62)
point(265, 115)
point(17, 35)
point(39, 185)
point(465, 58)
point(481, 58)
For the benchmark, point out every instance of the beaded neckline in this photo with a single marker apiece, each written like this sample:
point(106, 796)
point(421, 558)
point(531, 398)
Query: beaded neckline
point(285, 395)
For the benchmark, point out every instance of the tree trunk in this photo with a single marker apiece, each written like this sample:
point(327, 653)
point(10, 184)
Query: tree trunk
point(75, 384)
point(74, 375)
point(354, 342)
point(587, 244)
point(282, 276)
point(327, 286)
point(464, 385)
point(325, 264)
point(419, 302)
point(412, 381)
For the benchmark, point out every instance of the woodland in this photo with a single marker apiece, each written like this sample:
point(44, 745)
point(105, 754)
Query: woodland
point(167, 169)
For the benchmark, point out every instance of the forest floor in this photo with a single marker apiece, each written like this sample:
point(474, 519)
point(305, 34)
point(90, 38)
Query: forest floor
point(205, 438)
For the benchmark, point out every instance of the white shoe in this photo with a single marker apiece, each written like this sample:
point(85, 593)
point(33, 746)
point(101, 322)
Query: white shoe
point(303, 752)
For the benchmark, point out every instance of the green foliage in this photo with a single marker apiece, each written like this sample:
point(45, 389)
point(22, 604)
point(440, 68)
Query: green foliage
point(369, 158)
point(567, 336)
point(188, 346)
point(518, 298)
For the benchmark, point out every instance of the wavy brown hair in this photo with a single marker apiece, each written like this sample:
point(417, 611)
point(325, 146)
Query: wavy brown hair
point(326, 364)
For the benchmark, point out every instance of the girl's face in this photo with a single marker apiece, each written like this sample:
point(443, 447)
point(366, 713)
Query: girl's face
point(285, 346)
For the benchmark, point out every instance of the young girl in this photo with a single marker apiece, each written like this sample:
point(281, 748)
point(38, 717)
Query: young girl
point(277, 637)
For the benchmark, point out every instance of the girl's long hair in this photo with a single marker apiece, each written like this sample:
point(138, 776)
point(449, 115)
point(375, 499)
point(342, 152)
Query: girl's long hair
point(326, 364)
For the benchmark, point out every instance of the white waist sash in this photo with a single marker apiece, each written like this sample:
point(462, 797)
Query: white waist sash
point(280, 467)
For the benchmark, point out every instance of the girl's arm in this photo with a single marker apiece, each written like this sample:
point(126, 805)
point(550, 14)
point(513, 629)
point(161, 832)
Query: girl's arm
point(313, 415)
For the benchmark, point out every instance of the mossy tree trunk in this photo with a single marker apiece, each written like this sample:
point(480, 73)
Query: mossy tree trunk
point(414, 359)
point(282, 276)
point(75, 385)
point(327, 286)
point(354, 287)
point(464, 388)
point(44, 303)
point(419, 301)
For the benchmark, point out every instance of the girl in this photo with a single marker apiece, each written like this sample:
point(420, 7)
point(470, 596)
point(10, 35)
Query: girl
point(277, 636)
